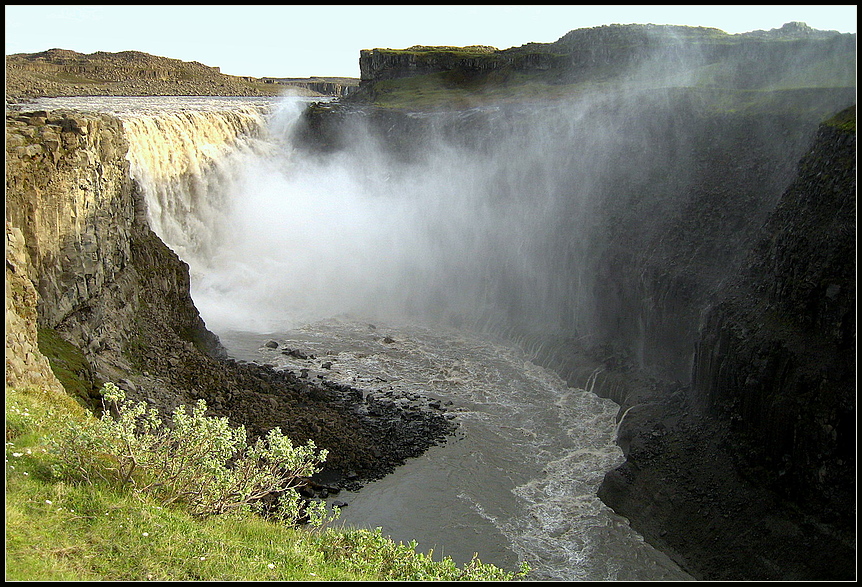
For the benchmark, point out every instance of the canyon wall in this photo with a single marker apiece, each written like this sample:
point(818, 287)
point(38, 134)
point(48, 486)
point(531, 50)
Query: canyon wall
point(750, 472)
point(83, 226)
point(708, 57)
point(776, 355)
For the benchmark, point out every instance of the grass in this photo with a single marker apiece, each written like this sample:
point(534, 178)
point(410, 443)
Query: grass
point(62, 531)
point(68, 364)
point(844, 120)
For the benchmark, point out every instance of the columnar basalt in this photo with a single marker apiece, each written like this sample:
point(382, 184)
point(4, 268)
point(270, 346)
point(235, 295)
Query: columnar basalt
point(776, 356)
point(761, 448)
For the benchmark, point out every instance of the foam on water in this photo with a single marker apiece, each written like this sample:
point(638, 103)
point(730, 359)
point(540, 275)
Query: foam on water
point(518, 482)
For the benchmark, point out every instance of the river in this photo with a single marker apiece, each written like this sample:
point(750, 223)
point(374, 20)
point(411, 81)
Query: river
point(516, 483)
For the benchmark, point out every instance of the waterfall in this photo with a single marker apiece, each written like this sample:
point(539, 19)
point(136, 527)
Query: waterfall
point(487, 228)
point(492, 218)
point(187, 162)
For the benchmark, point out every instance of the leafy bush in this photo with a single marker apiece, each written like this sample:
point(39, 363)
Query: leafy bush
point(400, 561)
point(199, 462)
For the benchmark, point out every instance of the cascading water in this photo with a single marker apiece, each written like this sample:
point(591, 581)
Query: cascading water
point(368, 259)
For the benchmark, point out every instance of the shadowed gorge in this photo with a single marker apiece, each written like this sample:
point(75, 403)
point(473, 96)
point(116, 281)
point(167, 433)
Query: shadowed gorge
point(661, 216)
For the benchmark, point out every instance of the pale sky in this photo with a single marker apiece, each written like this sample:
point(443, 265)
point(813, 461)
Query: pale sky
point(325, 40)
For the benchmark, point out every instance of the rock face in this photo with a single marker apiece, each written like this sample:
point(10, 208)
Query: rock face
point(68, 192)
point(324, 86)
point(751, 473)
point(383, 64)
point(755, 59)
point(776, 356)
point(25, 365)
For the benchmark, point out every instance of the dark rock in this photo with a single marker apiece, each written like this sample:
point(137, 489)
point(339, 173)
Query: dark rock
point(761, 448)
point(296, 354)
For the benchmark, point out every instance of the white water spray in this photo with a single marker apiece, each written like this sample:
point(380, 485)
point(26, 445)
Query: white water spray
point(275, 237)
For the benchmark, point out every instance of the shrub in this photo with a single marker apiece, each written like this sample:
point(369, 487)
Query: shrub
point(199, 462)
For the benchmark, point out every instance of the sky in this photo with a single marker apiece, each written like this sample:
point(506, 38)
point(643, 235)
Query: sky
point(325, 40)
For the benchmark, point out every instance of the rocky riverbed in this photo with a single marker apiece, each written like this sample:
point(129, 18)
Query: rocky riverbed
point(367, 434)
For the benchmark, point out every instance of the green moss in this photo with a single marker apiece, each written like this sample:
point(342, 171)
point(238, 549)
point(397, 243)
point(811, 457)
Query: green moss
point(69, 366)
point(844, 120)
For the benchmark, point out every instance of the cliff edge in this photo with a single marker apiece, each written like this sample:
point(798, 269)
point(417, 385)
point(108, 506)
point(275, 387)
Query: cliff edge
point(60, 72)
point(793, 56)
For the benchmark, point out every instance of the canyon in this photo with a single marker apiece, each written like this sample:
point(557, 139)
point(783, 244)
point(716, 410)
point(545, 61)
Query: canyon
point(709, 284)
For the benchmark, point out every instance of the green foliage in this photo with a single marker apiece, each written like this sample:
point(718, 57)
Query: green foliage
point(31, 413)
point(62, 528)
point(68, 364)
point(200, 462)
point(401, 561)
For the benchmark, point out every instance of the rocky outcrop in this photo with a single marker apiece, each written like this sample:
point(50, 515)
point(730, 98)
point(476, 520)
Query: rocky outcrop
point(60, 72)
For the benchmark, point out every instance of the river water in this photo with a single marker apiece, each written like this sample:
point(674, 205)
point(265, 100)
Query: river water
point(283, 248)
point(516, 483)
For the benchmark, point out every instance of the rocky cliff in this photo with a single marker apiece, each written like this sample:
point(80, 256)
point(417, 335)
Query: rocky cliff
point(776, 355)
point(749, 474)
point(69, 195)
point(324, 86)
point(665, 54)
